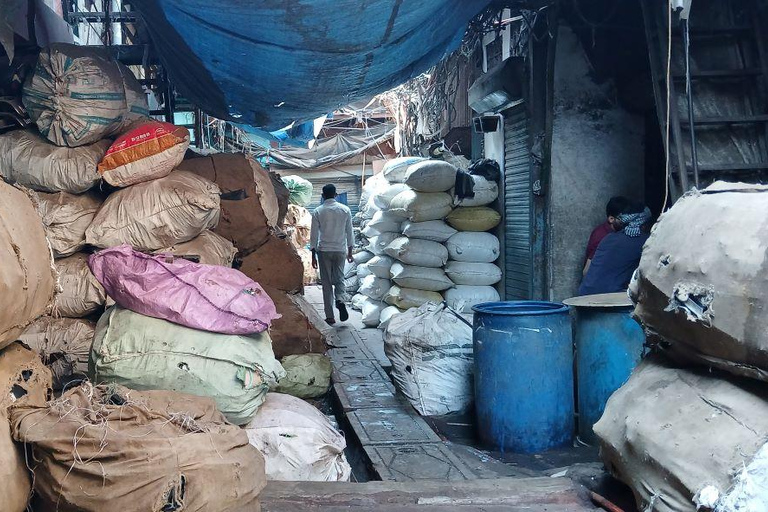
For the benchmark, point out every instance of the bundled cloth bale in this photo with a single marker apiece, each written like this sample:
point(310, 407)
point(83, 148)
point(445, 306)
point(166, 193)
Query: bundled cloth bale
point(249, 207)
point(473, 274)
point(148, 151)
point(434, 230)
point(300, 329)
point(306, 375)
point(473, 247)
point(64, 344)
point(431, 176)
point(206, 297)
point(24, 380)
point(26, 273)
point(142, 353)
point(300, 190)
point(420, 253)
point(395, 170)
point(156, 214)
point(298, 224)
point(371, 311)
point(421, 278)
point(432, 357)
point(485, 190)
point(475, 218)
point(31, 161)
point(688, 439)
point(298, 442)
point(110, 448)
point(421, 206)
point(463, 297)
point(77, 95)
point(207, 248)
point(81, 293)
point(276, 264)
point(701, 284)
point(383, 198)
point(66, 217)
point(407, 298)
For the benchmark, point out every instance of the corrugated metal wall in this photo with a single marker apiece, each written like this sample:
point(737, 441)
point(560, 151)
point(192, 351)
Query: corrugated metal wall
point(518, 255)
point(344, 183)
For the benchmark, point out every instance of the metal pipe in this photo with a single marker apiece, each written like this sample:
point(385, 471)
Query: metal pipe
point(689, 95)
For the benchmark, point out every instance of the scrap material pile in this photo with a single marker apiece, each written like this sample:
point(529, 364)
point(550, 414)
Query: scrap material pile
point(117, 266)
point(688, 430)
point(426, 224)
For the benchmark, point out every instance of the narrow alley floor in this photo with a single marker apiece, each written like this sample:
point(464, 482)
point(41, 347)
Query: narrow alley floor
point(389, 442)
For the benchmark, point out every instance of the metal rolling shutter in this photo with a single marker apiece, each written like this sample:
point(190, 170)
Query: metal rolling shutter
point(344, 183)
point(518, 255)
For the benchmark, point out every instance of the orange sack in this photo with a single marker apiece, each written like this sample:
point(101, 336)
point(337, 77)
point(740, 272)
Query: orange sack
point(150, 151)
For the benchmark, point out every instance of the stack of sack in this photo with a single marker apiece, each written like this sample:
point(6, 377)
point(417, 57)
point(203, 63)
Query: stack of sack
point(427, 226)
point(688, 430)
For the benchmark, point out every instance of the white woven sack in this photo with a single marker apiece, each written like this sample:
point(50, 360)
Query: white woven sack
point(474, 274)
point(421, 253)
point(434, 230)
point(473, 247)
point(420, 278)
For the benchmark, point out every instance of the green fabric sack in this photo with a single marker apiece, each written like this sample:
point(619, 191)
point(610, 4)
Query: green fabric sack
point(300, 189)
point(306, 375)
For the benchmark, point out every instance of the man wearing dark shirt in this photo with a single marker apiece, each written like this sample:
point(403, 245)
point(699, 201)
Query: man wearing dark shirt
point(618, 255)
point(616, 205)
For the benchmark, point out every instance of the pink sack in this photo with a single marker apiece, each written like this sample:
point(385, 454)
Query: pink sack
point(206, 297)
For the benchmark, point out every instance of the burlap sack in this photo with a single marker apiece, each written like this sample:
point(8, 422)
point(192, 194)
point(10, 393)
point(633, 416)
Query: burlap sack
point(702, 284)
point(249, 208)
point(156, 214)
point(65, 219)
point(678, 436)
point(27, 277)
point(24, 380)
point(103, 448)
point(81, 293)
point(210, 248)
point(300, 330)
point(276, 264)
point(31, 161)
point(64, 345)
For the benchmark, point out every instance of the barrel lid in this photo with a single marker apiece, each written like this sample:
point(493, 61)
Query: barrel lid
point(603, 300)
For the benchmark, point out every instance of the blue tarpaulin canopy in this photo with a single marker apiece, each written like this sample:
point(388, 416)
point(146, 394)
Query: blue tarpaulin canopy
point(268, 63)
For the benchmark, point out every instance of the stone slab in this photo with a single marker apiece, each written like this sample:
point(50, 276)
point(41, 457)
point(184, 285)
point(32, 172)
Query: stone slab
point(357, 371)
point(390, 426)
point(412, 462)
point(366, 395)
point(355, 352)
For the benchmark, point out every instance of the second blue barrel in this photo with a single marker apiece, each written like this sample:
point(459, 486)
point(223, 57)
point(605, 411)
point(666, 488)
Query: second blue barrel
point(523, 375)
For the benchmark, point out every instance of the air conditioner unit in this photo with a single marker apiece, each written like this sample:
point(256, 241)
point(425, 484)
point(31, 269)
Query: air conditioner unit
point(500, 88)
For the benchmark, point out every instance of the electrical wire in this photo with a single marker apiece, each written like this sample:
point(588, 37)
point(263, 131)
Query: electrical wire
point(669, 105)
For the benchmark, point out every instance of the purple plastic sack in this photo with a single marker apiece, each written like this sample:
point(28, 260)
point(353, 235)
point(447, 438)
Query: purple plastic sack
point(206, 297)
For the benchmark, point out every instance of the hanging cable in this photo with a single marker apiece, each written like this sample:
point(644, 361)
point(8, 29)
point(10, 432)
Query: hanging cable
point(669, 103)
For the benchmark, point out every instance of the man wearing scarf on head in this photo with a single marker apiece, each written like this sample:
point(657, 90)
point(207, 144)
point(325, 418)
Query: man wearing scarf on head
point(618, 254)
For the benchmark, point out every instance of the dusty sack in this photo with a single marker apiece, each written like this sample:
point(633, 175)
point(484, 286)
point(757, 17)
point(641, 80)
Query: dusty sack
point(300, 330)
point(154, 450)
point(29, 160)
point(384, 222)
point(64, 344)
point(421, 278)
point(702, 280)
point(81, 293)
point(432, 357)
point(378, 244)
point(462, 297)
point(473, 247)
point(276, 264)
point(434, 230)
point(65, 219)
point(421, 253)
point(155, 214)
point(371, 311)
point(431, 176)
point(380, 266)
point(24, 380)
point(394, 171)
point(672, 434)
point(486, 192)
point(473, 274)
point(383, 198)
point(421, 206)
point(206, 297)
point(142, 353)
point(208, 247)
point(407, 298)
point(27, 268)
point(249, 206)
point(298, 225)
point(374, 287)
point(387, 314)
point(77, 95)
point(300, 190)
point(147, 152)
point(475, 218)
point(306, 375)
point(298, 442)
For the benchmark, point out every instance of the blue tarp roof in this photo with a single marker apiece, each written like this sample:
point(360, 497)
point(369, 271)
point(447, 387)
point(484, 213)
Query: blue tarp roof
point(268, 63)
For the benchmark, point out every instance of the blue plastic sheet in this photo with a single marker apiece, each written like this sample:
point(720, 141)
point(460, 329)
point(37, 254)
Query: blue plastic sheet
point(268, 63)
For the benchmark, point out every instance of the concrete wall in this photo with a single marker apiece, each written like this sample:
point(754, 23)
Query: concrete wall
point(597, 152)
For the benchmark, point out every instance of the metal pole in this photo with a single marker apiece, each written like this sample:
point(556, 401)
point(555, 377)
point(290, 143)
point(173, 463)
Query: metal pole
point(689, 95)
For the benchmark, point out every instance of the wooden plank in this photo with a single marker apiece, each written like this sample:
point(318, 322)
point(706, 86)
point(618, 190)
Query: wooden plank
point(726, 120)
point(719, 73)
point(734, 167)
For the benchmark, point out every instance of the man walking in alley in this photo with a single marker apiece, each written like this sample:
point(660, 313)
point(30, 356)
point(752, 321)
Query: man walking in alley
point(331, 241)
